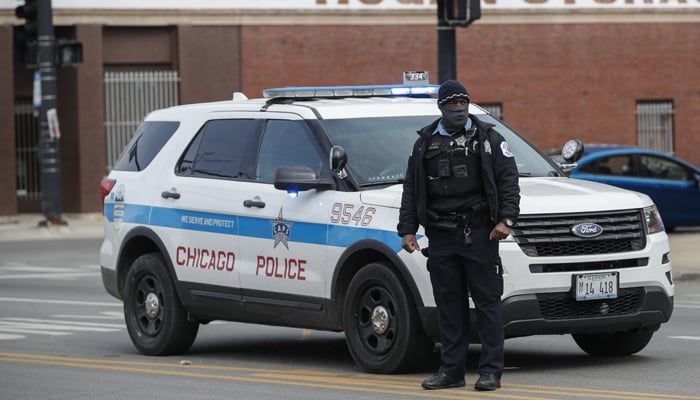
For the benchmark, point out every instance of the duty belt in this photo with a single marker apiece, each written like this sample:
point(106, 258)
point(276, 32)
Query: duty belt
point(455, 219)
point(461, 222)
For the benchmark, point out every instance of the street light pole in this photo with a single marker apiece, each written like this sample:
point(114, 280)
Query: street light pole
point(49, 150)
point(447, 58)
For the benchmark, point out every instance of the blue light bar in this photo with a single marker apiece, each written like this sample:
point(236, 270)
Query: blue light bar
point(351, 91)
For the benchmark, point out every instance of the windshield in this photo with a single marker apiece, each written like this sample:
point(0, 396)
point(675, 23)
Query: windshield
point(378, 147)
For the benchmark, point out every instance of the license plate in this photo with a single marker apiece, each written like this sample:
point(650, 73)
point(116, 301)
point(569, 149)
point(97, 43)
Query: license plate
point(596, 286)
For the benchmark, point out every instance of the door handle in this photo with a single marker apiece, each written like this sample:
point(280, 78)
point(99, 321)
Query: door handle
point(170, 194)
point(254, 203)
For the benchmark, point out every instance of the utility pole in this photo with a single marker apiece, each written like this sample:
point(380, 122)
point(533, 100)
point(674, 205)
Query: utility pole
point(452, 13)
point(40, 51)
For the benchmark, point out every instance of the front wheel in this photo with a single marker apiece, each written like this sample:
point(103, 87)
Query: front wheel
point(382, 328)
point(614, 344)
point(155, 319)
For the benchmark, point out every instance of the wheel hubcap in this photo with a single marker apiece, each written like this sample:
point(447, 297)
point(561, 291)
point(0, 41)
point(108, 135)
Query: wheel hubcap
point(380, 320)
point(152, 305)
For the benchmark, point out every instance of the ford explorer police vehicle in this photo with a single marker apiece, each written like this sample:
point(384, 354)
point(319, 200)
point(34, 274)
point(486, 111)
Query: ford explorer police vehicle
point(283, 211)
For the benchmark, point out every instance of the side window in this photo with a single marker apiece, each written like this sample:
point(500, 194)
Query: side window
point(222, 148)
point(149, 138)
point(662, 168)
point(598, 167)
point(286, 143)
point(616, 165)
point(620, 165)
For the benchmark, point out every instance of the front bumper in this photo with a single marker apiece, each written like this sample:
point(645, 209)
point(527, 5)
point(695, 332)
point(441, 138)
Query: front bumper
point(560, 313)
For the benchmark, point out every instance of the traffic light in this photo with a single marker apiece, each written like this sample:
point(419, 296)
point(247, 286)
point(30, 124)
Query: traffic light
point(29, 13)
point(461, 12)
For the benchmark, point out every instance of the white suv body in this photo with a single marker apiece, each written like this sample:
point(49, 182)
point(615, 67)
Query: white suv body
point(201, 225)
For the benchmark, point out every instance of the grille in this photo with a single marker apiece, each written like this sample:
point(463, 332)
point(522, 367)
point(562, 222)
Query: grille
point(589, 265)
point(563, 305)
point(550, 235)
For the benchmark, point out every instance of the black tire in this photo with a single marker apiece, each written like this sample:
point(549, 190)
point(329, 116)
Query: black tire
point(614, 344)
point(399, 344)
point(155, 319)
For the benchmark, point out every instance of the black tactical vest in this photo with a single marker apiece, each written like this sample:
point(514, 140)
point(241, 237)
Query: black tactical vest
point(453, 169)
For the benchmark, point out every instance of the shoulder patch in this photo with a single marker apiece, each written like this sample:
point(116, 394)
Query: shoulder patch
point(505, 149)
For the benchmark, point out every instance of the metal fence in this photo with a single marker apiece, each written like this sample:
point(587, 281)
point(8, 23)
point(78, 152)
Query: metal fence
point(129, 96)
point(655, 125)
point(27, 135)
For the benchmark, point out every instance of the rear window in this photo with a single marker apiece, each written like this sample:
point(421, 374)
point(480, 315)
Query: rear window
point(149, 138)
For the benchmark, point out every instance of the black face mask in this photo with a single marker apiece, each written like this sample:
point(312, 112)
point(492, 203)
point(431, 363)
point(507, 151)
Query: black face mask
point(454, 117)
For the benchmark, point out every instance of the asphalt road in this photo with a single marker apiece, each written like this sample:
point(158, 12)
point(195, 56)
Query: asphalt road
point(63, 337)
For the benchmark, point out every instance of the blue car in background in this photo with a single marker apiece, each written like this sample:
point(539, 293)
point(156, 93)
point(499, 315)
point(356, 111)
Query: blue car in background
point(673, 184)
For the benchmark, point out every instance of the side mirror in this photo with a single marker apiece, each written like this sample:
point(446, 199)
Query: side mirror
point(337, 158)
point(297, 178)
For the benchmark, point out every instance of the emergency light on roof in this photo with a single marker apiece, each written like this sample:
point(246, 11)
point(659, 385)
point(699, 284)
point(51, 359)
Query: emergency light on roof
point(351, 91)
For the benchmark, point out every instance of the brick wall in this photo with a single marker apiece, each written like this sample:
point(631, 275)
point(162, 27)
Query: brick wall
point(555, 81)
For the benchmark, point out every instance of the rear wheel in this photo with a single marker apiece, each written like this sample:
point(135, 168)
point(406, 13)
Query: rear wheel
point(382, 328)
point(614, 344)
point(155, 319)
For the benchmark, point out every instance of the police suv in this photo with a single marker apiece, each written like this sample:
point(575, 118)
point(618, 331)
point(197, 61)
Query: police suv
point(283, 211)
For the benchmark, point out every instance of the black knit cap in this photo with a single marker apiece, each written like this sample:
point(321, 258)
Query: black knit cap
point(451, 89)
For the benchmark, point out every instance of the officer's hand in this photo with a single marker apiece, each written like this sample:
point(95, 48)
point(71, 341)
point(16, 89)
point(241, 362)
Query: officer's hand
point(499, 232)
point(409, 243)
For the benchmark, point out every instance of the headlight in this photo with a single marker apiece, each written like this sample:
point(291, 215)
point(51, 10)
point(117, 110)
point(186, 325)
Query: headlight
point(652, 220)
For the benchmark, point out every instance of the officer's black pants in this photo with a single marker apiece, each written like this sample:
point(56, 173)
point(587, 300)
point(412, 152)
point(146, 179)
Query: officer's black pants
point(456, 271)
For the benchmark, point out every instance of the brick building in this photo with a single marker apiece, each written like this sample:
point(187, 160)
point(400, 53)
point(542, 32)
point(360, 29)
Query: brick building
point(613, 71)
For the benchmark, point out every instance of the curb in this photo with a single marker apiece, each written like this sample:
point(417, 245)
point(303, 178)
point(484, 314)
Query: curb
point(34, 227)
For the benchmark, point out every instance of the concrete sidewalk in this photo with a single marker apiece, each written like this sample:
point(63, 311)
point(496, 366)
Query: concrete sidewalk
point(27, 227)
point(685, 242)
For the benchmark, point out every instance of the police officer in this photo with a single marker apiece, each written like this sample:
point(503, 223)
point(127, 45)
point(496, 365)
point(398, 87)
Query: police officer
point(461, 184)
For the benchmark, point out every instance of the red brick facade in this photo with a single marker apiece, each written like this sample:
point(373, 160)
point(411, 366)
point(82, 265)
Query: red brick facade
point(554, 81)
point(554, 78)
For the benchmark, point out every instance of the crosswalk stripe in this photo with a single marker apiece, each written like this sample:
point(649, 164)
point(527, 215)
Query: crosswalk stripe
point(32, 331)
point(54, 322)
point(52, 301)
point(12, 271)
point(58, 275)
point(53, 327)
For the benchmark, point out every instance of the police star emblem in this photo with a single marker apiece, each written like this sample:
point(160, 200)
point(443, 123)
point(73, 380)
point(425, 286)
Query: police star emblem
point(281, 230)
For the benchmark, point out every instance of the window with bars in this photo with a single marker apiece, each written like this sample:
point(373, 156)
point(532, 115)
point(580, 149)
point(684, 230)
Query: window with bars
point(129, 96)
point(495, 109)
point(26, 144)
point(655, 125)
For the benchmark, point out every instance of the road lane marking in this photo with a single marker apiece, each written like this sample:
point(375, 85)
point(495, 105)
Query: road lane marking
point(103, 315)
point(51, 327)
point(56, 322)
point(8, 272)
point(55, 276)
point(29, 331)
point(39, 268)
point(353, 382)
point(4, 336)
point(54, 301)
point(685, 337)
